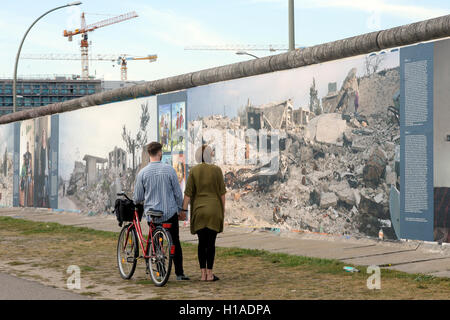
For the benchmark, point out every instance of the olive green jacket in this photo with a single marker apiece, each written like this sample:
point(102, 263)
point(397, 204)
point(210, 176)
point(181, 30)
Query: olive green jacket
point(205, 186)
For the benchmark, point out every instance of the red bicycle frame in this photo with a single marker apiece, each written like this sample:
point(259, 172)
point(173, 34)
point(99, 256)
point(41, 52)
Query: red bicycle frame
point(141, 239)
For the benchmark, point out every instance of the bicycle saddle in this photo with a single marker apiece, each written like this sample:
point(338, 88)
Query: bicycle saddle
point(155, 213)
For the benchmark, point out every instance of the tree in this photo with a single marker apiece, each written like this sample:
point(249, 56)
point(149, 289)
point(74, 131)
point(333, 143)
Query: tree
point(137, 143)
point(373, 63)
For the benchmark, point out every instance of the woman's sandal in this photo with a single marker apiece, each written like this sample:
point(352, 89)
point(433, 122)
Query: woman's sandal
point(214, 279)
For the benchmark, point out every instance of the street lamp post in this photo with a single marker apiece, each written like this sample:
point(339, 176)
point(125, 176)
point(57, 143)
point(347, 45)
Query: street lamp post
point(246, 53)
point(291, 26)
point(76, 3)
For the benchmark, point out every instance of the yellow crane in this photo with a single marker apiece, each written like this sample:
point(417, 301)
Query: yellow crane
point(121, 59)
point(84, 29)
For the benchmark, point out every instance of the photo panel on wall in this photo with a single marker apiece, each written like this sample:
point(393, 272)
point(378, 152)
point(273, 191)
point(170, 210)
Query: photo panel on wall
point(165, 132)
point(178, 126)
point(179, 164)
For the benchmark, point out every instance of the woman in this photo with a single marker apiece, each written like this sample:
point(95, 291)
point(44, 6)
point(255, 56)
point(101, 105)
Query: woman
point(205, 191)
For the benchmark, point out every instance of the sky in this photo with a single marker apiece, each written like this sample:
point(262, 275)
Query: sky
point(165, 28)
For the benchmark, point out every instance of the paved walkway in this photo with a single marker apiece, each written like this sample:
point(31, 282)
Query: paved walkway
point(13, 288)
point(409, 256)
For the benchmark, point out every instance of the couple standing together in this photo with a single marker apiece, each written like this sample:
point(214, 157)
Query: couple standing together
point(158, 188)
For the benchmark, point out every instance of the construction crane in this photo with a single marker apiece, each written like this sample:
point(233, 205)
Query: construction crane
point(84, 29)
point(122, 61)
point(119, 59)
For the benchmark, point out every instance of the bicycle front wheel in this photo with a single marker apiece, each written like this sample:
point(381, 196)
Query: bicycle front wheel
point(160, 260)
point(127, 252)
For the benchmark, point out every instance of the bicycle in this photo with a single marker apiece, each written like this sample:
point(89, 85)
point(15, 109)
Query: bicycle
point(159, 242)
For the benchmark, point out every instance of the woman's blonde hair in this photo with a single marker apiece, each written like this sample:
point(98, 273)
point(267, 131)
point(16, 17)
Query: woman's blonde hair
point(204, 154)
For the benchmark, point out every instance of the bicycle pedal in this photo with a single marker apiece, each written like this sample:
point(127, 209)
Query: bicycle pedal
point(130, 260)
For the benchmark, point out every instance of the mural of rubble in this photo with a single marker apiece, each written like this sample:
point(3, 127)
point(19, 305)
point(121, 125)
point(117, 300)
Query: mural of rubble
point(338, 135)
point(101, 155)
point(315, 148)
point(6, 165)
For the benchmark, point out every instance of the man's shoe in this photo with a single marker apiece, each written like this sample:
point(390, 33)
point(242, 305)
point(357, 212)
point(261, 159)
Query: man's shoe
point(183, 277)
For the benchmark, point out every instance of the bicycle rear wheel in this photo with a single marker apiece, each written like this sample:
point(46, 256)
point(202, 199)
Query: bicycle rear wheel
point(127, 252)
point(160, 261)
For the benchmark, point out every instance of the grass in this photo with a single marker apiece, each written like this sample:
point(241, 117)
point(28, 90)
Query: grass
point(16, 263)
point(245, 273)
point(285, 260)
point(86, 268)
point(30, 228)
point(89, 293)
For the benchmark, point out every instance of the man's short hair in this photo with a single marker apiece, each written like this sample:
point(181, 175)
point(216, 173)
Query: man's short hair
point(153, 148)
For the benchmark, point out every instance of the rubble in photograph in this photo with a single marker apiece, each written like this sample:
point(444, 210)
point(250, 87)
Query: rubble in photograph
point(335, 169)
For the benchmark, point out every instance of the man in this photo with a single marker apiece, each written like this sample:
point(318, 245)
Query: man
point(356, 101)
point(178, 120)
point(167, 134)
point(157, 186)
point(162, 132)
point(27, 159)
point(43, 172)
point(181, 124)
point(27, 163)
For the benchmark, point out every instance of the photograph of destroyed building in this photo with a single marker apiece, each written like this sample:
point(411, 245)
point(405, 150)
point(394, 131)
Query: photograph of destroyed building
point(101, 156)
point(42, 180)
point(26, 163)
point(337, 143)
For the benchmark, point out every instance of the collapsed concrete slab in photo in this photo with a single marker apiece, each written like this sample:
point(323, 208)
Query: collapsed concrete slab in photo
point(326, 128)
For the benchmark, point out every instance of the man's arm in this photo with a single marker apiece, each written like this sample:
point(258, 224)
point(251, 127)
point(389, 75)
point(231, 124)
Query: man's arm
point(139, 191)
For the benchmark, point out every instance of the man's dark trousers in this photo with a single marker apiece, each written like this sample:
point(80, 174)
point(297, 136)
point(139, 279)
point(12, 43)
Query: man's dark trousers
point(175, 234)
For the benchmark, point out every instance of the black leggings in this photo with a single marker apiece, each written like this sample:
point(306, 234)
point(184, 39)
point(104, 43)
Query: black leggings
point(206, 247)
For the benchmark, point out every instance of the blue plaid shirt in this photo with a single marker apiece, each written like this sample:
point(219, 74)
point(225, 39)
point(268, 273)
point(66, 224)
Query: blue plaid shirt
point(157, 185)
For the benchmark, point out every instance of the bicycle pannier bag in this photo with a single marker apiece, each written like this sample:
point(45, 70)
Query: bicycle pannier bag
point(124, 209)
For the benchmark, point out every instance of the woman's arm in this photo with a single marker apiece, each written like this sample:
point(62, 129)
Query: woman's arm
point(223, 201)
point(188, 192)
point(222, 188)
point(186, 200)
